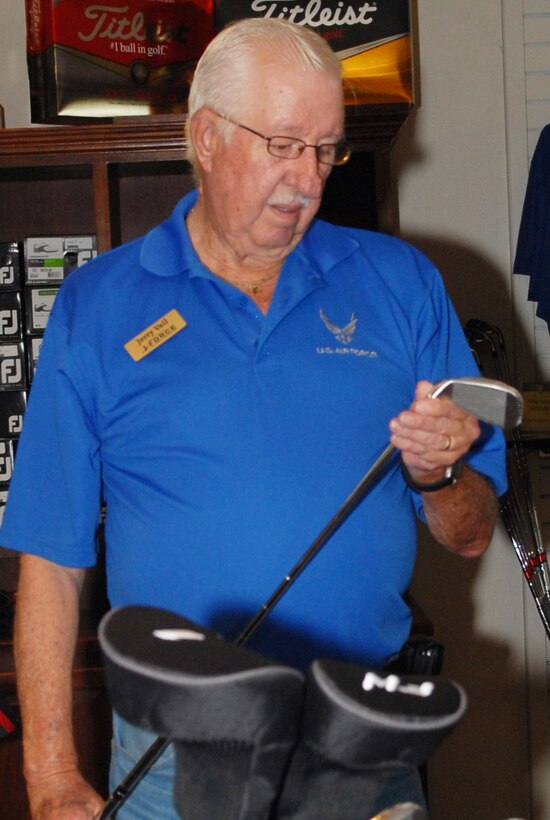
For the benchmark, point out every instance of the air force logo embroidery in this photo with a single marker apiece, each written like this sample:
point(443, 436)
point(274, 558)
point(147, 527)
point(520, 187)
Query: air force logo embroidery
point(342, 334)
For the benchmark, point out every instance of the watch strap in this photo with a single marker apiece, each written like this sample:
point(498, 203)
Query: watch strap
point(449, 478)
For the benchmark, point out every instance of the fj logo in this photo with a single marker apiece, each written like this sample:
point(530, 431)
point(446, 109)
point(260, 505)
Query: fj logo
point(5, 463)
point(7, 275)
point(15, 423)
point(10, 371)
point(8, 322)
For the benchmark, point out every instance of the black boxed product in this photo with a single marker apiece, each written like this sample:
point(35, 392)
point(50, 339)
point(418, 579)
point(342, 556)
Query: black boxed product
point(38, 306)
point(50, 259)
point(10, 266)
point(12, 366)
point(13, 404)
point(11, 315)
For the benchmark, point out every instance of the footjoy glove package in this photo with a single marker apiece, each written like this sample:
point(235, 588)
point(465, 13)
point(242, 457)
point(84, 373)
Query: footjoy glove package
point(88, 59)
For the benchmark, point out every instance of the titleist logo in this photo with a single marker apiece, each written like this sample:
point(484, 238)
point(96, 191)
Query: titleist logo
point(111, 23)
point(314, 14)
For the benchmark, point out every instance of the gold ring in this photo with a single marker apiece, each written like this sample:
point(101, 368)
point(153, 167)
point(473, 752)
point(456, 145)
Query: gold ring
point(449, 442)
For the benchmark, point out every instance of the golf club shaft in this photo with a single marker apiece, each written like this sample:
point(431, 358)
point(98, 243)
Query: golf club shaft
point(349, 504)
point(128, 784)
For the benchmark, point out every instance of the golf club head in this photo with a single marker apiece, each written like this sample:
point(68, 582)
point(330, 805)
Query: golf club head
point(491, 401)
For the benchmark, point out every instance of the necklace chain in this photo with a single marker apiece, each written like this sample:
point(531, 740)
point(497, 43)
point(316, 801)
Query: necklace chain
point(254, 287)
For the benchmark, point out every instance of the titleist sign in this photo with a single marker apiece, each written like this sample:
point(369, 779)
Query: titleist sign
point(316, 13)
point(115, 58)
point(351, 23)
point(372, 39)
point(138, 56)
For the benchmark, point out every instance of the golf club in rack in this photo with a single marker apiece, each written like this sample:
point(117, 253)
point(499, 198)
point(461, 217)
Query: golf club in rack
point(491, 401)
point(517, 506)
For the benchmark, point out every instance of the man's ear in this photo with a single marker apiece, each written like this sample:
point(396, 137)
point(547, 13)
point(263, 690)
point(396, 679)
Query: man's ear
point(204, 132)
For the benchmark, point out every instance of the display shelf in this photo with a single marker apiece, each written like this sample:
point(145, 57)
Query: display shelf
point(138, 139)
point(78, 162)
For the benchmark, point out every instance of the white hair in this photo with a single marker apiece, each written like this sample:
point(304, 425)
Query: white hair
point(223, 73)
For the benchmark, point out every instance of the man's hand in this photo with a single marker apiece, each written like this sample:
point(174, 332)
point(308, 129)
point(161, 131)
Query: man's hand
point(432, 435)
point(64, 795)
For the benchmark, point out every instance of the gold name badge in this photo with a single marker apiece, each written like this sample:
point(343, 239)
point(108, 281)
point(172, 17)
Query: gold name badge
point(155, 335)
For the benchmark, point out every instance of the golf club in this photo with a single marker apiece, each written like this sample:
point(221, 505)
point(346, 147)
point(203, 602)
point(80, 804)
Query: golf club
point(517, 506)
point(491, 401)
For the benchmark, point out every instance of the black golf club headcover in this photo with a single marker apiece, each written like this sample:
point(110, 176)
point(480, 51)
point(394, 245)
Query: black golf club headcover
point(233, 715)
point(359, 727)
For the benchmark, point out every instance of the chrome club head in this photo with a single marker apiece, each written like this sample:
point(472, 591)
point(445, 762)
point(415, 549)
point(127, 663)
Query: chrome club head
point(491, 401)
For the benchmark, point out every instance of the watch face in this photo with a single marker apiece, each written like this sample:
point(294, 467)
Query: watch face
point(453, 471)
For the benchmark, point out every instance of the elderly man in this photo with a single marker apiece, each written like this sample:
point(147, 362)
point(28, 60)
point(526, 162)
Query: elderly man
point(223, 383)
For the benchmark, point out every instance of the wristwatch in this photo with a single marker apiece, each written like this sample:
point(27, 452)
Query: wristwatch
point(449, 477)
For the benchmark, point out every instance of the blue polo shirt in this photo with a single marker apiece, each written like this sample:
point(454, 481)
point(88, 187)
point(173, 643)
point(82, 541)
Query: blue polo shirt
point(225, 444)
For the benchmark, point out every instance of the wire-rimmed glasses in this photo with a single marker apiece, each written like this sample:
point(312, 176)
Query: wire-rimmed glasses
point(328, 153)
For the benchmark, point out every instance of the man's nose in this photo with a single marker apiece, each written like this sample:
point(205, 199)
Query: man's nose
point(309, 175)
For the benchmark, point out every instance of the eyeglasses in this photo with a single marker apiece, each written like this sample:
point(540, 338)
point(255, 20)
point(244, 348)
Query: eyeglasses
point(328, 153)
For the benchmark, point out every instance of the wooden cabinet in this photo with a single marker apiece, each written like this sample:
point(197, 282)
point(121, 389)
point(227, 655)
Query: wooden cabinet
point(120, 179)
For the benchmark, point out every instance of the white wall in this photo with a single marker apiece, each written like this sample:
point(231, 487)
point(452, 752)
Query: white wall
point(14, 93)
point(454, 202)
point(452, 159)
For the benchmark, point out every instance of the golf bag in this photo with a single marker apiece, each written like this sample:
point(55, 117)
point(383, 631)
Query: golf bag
point(257, 740)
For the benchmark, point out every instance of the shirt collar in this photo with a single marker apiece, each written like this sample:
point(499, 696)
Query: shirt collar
point(167, 248)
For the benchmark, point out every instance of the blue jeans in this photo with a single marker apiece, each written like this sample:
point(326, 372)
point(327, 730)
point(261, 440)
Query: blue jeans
point(152, 797)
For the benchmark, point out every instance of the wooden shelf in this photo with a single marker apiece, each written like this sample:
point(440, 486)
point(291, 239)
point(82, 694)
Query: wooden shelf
point(139, 139)
point(153, 138)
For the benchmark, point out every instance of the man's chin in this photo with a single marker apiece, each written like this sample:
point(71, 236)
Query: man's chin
point(291, 223)
point(284, 240)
